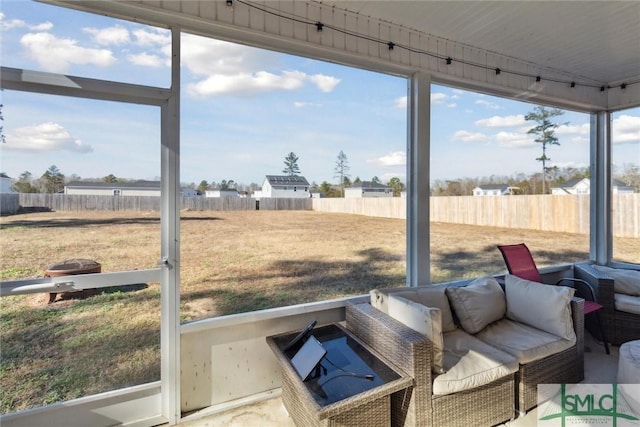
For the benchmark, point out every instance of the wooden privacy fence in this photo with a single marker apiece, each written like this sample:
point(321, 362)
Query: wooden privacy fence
point(73, 202)
point(566, 213)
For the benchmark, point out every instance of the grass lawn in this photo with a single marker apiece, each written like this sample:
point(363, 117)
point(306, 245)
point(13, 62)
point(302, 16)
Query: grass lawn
point(231, 262)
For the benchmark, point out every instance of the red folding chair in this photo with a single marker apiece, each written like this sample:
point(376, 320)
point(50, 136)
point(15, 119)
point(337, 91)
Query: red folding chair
point(520, 263)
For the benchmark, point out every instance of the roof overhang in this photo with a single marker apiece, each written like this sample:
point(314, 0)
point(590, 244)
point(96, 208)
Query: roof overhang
point(582, 55)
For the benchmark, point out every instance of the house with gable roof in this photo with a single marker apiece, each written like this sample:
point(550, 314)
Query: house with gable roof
point(494, 190)
point(284, 186)
point(583, 186)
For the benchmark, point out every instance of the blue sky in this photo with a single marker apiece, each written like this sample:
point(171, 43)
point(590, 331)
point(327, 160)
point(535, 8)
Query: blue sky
point(244, 109)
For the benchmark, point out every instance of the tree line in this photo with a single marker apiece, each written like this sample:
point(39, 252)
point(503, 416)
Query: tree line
point(53, 180)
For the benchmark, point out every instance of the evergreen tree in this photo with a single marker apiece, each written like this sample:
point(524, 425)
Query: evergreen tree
point(291, 165)
point(203, 186)
point(341, 170)
point(396, 185)
point(545, 134)
point(52, 180)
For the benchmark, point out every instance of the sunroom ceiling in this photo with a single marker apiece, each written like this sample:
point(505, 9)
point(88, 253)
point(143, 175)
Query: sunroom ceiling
point(597, 40)
point(582, 54)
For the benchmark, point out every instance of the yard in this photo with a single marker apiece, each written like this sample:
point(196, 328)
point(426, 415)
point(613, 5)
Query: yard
point(232, 261)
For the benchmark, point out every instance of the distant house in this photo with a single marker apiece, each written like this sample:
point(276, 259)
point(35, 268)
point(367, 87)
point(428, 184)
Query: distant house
point(494, 190)
point(220, 192)
point(133, 188)
point(284, 186)
point(189, 192)
point(368, 189)
point(5, 184)
point(583, 186)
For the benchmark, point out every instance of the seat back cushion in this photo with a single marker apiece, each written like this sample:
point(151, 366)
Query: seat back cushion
point(546, 307)
point(426, 320)
point(429, 295)
point(627, 303)
point(477, 304)
point(624, 281)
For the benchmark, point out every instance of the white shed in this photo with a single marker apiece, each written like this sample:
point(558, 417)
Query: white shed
point(368, 189)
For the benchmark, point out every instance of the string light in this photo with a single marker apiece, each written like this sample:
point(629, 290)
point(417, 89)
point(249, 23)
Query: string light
point(391, 45)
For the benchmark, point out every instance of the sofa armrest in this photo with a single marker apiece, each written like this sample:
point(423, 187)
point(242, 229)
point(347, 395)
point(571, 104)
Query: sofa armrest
point(408, 350)
point(601, 284)
point(577, 315)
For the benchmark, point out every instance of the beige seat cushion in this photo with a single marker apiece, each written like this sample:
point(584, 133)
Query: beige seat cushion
point(429, 295)
point(524, 342)
point(477, 304)
point(627, 303)
point(545, 307)
point(624, 281)
point(470, 363)
point(426, 320)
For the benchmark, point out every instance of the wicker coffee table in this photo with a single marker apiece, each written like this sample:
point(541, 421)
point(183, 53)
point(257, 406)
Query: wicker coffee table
point(352, 386)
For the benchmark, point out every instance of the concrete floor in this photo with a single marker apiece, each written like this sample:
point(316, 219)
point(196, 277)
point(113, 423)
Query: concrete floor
point(600, 368)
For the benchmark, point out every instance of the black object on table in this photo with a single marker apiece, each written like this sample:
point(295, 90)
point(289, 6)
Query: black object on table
point(347, 368)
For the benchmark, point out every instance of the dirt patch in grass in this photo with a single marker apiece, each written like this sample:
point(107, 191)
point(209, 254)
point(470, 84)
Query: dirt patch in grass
point(230, 262)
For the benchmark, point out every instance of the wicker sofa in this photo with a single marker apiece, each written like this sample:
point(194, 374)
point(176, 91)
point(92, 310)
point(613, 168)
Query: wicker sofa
point(488, 403)
point(620, 314)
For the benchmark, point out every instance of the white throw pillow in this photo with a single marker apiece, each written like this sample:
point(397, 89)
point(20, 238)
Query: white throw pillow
point(478, 304)
point(546, 307)
point(429, 295)
point(624, 281)
point(423, 319)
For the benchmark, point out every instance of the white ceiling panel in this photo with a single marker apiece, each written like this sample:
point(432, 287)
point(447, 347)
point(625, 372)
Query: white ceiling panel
point(597, 40)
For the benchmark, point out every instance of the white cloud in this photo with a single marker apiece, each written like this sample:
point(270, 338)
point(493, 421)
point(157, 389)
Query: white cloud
point(401, 102)
point(488, 104)
point(324, 83)
point(626, 129)
point(502, 121)
point(147, 60)
point(514, 139)
point(57, 54)
point(205, 57)
point(19, 23)
point(152, 37)
point(116, 35)
point(569, 129)
point(438, 98)
point(248, 84)
point(47, 136)
point(227, 68)
point(300, 104)
point(466, 136)
point(395, 158)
